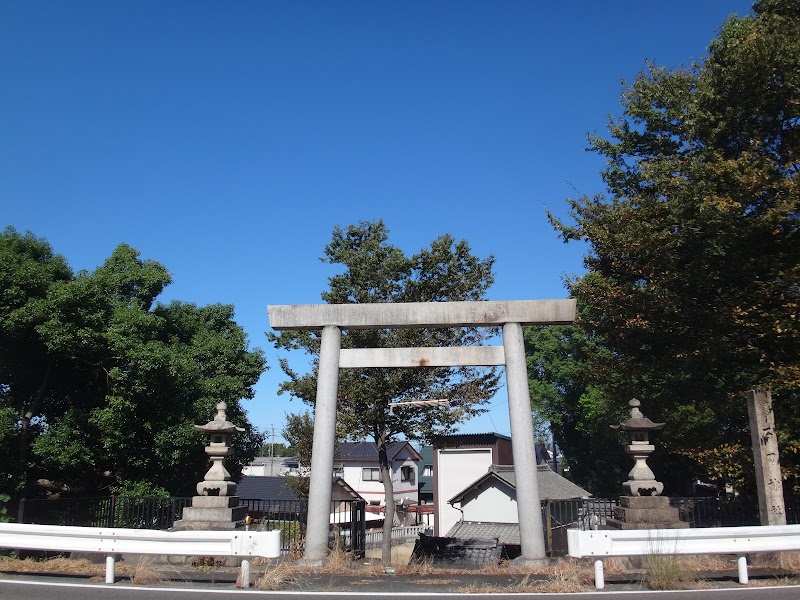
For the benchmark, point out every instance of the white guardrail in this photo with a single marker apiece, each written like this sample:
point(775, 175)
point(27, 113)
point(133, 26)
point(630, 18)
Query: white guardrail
point(114, 541)
point(712, 540)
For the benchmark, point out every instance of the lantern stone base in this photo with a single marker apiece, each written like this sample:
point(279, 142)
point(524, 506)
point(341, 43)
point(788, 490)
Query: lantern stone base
point(645, 512)
point(212, 513)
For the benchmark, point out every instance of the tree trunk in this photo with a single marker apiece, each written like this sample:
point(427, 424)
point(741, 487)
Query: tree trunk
point(28, 413)
point(388, 490)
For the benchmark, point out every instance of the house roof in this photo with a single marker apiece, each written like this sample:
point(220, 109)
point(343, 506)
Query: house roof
point(278, 460)
point(264, 488)
point(361, 451)
point(274, 488)
point(346, 487)
point(469, 439)
point(505, 533)
point(457, 551)
point(551, 485)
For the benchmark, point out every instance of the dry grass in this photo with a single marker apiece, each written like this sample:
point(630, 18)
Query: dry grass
point(669, 572)
point(711, 562)
point(275, 579)
point(423, 566)
point(562, 576)
point(59, 564)
point(145, 572)
point(788, 561)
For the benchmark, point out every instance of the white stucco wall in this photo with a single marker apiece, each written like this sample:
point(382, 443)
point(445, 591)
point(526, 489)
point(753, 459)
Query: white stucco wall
point(372, 491)
point(491, 504)
point(455, 470)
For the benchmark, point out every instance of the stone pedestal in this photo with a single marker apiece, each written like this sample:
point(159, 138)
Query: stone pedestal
point(212, 513)
point(645, 512)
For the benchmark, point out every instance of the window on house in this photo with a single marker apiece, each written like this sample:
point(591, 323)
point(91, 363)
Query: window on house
point(338, 471)
point(407, 473)
point(427, 471)
point(370, 474)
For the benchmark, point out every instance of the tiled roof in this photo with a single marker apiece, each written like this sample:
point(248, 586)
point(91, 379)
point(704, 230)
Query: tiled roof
point(273, 488)
point(360, 451)
point(551, 484)
point(506, 533)
point(469, 439)
point(457, 551)
point(264, 488)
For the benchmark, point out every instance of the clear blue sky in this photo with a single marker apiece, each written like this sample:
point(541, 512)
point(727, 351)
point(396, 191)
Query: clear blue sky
point(227, 139)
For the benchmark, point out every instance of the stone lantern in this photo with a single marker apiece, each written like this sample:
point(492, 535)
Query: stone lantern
point(642, 481)
point(643, 507)
point(216, 505)
point(217, 481)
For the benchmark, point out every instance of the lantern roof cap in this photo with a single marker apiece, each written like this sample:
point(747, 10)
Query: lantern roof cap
point(220, 424)
point(637, 421)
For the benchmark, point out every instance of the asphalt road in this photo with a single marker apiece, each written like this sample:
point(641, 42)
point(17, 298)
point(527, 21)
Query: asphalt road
point(28, 588)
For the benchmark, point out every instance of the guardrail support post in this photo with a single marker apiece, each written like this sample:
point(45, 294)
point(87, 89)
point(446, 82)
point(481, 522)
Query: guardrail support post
point(110, 567)
point(244, 573)
point(599, 579)
point(741, 567)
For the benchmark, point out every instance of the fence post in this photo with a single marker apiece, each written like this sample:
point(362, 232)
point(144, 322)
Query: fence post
point(548, 517)
point(111, 510)
point(21, 511)
point(358, 528)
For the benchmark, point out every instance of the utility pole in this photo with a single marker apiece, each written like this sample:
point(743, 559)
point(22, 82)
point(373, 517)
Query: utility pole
point(272, 452)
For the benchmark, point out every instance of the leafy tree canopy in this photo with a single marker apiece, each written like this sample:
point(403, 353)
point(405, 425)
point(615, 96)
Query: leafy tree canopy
point(376, 271)
point(100, 385)
point(694, 265)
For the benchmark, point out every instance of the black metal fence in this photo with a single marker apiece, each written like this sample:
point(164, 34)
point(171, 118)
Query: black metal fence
point(347, 517)
point(108, 511)
point(699, 512)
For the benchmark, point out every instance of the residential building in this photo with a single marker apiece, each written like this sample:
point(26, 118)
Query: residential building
point(357, 463)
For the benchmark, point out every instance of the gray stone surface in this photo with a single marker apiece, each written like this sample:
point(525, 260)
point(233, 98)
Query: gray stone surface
point(422, 357)
point(522, 447)
point(769, 481)
point(319, 493)
point(644, 502)
point(192, 513)
point(645, 512)
point(215, 501)
point(421, 314)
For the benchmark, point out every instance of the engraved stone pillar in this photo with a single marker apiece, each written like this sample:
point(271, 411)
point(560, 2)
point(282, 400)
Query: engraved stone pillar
point(765, 455)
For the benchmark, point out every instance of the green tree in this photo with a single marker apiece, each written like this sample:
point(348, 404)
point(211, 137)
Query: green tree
point(101, 385)
point(299, 432)
point(694, 264)
point(376, 271)
point(579, 413)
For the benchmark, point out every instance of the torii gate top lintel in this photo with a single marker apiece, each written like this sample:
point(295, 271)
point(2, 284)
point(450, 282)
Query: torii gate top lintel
point(421, 314)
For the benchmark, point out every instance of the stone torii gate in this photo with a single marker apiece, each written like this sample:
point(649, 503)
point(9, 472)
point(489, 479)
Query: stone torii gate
point(511, 316)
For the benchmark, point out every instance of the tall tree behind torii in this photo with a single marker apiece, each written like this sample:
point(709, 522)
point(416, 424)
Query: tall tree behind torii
point(376, 271)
